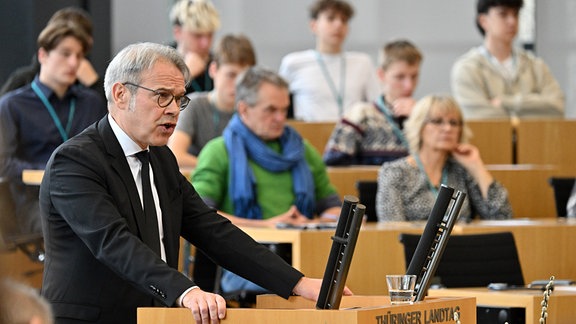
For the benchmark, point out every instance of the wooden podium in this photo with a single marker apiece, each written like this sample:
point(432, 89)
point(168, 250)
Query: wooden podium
point(353, 309)
point(560, 306)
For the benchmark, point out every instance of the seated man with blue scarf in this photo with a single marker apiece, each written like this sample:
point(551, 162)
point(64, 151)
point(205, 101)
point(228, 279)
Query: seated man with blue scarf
point(261, 172)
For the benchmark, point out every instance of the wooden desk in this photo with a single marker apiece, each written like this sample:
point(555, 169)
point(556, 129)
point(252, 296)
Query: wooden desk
point(545, 248)
point(317, 133)
point(548, 141)
point(529, 193)
point(32, 177)
point(354, 310)
point(494, 140)
point(345, 178)
point(561, 304)
point(528, 189)
point(492, 137)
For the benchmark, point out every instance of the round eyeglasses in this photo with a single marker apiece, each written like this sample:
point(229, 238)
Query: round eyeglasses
point(165, 97)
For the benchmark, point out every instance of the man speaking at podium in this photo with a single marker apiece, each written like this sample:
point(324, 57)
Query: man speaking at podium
point(108, 250)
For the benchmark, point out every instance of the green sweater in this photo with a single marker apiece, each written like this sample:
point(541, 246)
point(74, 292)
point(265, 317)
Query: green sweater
point(274, 189)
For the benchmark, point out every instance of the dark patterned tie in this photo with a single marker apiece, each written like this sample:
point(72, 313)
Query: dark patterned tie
point(150, 231)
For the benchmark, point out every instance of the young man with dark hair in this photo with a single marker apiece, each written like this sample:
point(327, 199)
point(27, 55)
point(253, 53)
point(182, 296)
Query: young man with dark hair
point(499, 80)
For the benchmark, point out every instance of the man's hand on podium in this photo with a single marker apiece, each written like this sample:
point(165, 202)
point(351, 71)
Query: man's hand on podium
point(211, 308)
point(309, 288)
point(205, 307)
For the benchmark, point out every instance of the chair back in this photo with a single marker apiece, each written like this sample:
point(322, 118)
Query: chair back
point(8, 224)
point(562, 187)
point(367, 194)
point(473, 260)
point(11, 235)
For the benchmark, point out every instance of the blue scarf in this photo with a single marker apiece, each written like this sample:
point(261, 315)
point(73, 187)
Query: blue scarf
point(243, 145)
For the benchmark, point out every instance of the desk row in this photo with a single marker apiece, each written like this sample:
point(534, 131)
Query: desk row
point(528, 189)
point(542, 142)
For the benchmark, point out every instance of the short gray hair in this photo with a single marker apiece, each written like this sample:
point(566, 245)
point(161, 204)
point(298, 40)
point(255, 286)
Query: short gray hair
point(129, 64)
point(420, 114)
point(249, 83)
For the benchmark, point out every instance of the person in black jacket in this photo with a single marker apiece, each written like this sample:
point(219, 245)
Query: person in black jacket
point(104, 257)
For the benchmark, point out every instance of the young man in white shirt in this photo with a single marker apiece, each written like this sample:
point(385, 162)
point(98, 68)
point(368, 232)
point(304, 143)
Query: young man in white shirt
point(326, 81)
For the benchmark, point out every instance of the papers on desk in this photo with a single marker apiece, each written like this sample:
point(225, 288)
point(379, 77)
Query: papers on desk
point(565, 288)
point(557, 283)
point(308, 226)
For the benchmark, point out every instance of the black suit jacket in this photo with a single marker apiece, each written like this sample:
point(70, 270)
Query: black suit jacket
point(97, 269)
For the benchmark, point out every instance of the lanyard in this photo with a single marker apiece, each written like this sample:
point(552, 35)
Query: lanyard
point(443, 180)
point(64, 133)
point(215, 112)
point(338, 95)
point(508, 71)
point(384, 109)
point(215, 119)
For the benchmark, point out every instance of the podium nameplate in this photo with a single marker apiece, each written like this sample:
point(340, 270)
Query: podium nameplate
point(353, 309)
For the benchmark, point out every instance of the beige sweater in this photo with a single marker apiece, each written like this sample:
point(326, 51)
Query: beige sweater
point(534, 93)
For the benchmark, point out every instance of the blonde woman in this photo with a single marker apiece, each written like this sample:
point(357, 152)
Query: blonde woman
point(439, 154)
